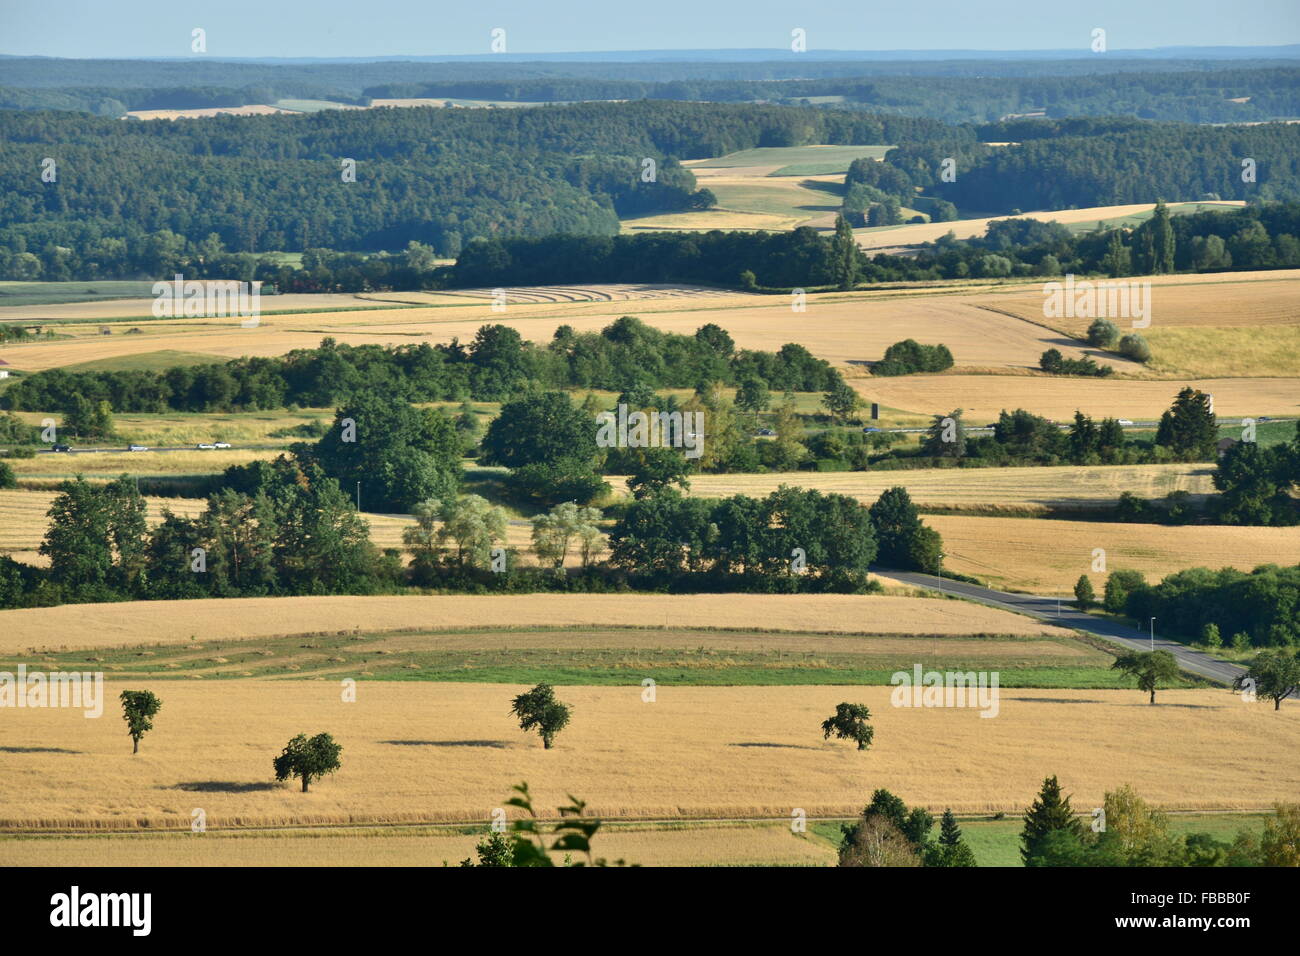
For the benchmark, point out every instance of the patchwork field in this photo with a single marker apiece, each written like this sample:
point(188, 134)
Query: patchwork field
point(434, 752)
point(1046, 557)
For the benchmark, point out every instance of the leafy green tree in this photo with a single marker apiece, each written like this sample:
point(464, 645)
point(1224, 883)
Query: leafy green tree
point(1148, 668)
point(1120, 584)
point(308, 759)
point(654, 469)
point(398, 454)
point(1084, 597)
point(842, 401)
point(538, 709)
point(96, 538)
point(539, 429)
point(753, 395)
point(903, 541)
point(1049, 814)
point(139, 707)
point(1210, 636)
point(1275, 675)
point(850, 722)
point(474, 524)
point(495, 849)
point(554, 532)
point(1136, 833)
point(88, 419)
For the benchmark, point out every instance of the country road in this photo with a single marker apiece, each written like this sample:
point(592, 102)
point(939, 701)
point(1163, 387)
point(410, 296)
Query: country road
point(1194, 662)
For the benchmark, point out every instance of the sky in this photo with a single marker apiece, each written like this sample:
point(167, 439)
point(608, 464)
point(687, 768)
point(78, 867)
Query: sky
point(375, 28)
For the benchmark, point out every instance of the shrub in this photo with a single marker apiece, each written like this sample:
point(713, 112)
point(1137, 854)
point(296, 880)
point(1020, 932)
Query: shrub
point(1102, 333)
point(1135, 347)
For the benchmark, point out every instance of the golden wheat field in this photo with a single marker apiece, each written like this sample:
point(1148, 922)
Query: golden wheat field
point(1045, 556)
point(881, 238)
point(170, 622)
point(984, 396)
point(114, 463)
point(696, 844)
point(23, 516)
point(972, 488)
point(433, 752)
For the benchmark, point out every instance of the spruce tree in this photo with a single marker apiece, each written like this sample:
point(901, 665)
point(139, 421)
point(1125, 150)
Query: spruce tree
point(1049, 813)
point(949, 831)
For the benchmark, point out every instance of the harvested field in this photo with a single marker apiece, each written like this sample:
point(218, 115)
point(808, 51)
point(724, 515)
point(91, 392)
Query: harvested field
point(428, 752)
point(698, 844)
point(170, 622)
point(970, 488)
point(23, 516)
point(1046, 557)
point(141, 463)
point(881, 237)
point(1059, 397)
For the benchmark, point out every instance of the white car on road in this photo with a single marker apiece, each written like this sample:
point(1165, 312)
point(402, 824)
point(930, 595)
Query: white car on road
point(136, 448)
point(204, 446)
point(221, 444)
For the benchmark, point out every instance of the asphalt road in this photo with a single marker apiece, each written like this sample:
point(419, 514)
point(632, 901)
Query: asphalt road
point(1046, 608)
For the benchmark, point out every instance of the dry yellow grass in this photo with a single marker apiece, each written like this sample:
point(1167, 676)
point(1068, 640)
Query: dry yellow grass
point(760, 844)
point(172, 622)
point(1047, 557)
point(115, 463)
point(975, 487)
point(426, 752)
point(984, 396)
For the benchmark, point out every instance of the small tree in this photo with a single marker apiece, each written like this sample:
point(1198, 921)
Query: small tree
point(1149, 668)
point(1084, 596)
point(308, 759)
point(952, 850)
point(1102, 333)
point(1240, 641)
point(842, 401)
point(1276, 676)
point(138, 710)
point(1049, 813)
point(539, 709)
point(850, 723)
point(1210, 636)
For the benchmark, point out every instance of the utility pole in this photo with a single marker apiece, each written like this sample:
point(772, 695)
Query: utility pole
point(1153, 634)
point(358, 496)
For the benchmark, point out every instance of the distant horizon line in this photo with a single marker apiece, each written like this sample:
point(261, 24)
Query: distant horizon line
point(1080, 52)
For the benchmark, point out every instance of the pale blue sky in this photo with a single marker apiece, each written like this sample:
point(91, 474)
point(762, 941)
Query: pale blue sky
point(366, 28)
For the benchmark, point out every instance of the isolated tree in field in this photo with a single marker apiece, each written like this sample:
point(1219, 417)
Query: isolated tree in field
point(1084, 596)
point(1050, 813)
point(850, 723)
point(1149, 668)
point(538, 709)
point(308, 759)
point(1275, 675)
point(138, 710)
